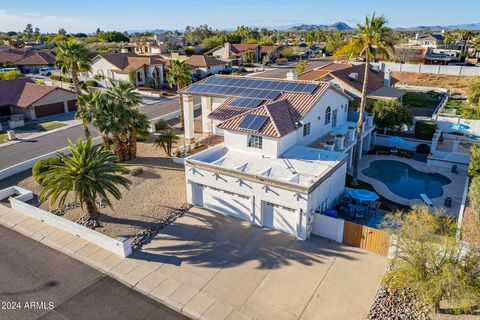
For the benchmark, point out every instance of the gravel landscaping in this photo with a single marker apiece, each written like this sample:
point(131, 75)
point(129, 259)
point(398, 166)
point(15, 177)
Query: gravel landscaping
point(157, 191)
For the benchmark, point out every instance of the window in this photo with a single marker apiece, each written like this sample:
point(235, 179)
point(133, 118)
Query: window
point(334, 118)
point(327, 115)
point(255, 142)
point(306, 129)
point(346, 108)
point(139, 76)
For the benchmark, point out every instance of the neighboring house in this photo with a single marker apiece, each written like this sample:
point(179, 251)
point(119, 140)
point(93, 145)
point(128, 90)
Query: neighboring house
point(270, 166)
point(203, 66)
point(28, 61)
point(235, 52)
point(117, 66)
point(349, 77)
point(273, 51)
point(145, 48)
point(24, 96)
point(434, 40)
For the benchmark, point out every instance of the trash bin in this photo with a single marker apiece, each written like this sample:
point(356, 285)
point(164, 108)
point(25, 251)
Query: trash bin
point(448, 202)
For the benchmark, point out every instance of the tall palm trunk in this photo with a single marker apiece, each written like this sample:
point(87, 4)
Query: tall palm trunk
point(361, 111)
point(106, 142)
point(78, 93)
point(133, 144)
point(117, 147)
point(124, 150)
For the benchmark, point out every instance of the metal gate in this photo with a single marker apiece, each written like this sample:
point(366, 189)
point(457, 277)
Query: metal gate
point(372, 239)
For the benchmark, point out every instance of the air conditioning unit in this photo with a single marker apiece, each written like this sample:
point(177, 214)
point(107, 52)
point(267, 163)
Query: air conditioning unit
point(353, 76)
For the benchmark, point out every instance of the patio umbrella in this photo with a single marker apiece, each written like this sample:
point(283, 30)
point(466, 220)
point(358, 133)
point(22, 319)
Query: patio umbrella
point(459, 127)
point(396, 140)
point(363, 195)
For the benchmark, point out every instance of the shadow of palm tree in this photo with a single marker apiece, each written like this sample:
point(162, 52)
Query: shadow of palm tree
point(217, 241)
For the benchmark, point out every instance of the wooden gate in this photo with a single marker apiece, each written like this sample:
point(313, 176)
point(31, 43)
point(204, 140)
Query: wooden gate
point(365, 237)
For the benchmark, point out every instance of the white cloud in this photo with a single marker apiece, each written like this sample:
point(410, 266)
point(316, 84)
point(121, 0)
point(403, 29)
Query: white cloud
point(46, 23)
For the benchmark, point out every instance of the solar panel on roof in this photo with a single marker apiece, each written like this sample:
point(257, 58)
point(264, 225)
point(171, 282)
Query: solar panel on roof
point(246, 103)
point(245, 124)
point(258, 122)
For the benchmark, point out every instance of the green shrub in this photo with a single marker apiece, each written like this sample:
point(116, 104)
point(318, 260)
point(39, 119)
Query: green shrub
point(281, 60)
point(42, 166)
point(474, 166)
point(67, 79)
point(135, 171)
point(424, 130)
point(91, 83)
point(161, 125)
point(56, 77)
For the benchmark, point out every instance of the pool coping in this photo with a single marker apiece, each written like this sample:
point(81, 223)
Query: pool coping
point(450, 190)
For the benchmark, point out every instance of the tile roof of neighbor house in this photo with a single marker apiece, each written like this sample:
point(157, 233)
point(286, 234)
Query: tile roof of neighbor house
point(342, 72)
point(23, 92)
point(37, 58)
point(242, 47)
point(269, 49)
point(124, 62)
point(282, 112)
point(11, 55)
point(200, 61)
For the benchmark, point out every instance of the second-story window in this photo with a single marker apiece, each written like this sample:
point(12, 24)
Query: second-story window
point(255, 142)
point(328, 115)
point(306, 129)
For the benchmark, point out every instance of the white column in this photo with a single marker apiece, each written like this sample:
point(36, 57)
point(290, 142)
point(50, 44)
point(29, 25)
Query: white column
point(206, 109)
point(188, 118)
point(65, 106)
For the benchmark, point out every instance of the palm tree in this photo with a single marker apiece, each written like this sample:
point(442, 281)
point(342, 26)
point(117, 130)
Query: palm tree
point(89, 105)
point(166, 140)
point(179, 75)
point(73, 57)
point(465, 36)
point(125, 94)
point(372, 39)
point(138, 124)
point(89, 173)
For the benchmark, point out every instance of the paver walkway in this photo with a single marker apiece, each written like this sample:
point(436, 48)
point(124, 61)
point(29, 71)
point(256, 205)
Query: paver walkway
point(209, 266)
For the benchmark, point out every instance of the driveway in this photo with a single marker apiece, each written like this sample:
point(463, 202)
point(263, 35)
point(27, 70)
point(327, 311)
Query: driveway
point(239, 269)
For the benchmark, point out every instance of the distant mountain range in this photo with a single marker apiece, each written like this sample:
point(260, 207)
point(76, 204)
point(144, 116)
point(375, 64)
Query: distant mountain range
point(339, 26)
point(469, 26)
point(154, 31)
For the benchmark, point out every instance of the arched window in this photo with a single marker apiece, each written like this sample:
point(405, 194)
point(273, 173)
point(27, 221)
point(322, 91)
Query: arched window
point(327, 115)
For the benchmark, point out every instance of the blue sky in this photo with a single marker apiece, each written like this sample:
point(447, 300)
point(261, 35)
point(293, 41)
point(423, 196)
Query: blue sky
point(87, 15)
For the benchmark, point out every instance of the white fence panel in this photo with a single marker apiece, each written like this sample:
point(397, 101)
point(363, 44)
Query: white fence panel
point(328, 227)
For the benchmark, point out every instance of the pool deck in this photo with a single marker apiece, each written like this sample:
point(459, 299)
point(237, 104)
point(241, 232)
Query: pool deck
point(454, 189)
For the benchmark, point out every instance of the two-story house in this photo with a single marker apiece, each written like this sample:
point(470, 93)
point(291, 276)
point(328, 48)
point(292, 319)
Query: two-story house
point(271, 167)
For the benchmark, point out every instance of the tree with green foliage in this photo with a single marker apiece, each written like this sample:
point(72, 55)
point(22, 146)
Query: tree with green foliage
point(474, 92)
point(10, 75)
point(391, 114)
point(112, 36)
point(249, 56)
point(474, 166)
point(179, 75)
point(335, 41)
point(89, 105)
point(197, 35)
point(212, 42)
point(373, 38)
point(301, 66)
point(73, 57)
point(132, 77)
point(465, 36)
point(431, 261)
point(474, 193)
point(89, 173)
point(28, 33)
point(42, 166)
point(166, 141)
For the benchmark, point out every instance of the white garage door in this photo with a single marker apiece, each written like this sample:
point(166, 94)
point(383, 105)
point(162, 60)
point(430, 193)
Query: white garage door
point(280, 218)
point(232, 204)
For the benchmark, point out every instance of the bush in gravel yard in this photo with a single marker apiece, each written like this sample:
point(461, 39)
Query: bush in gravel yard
point(161, 125)
point(91, 83)
point(67, 79)
point(281, 60)
point(424, 130)
point(474, 166)
point(43, 166)
point(56, 77)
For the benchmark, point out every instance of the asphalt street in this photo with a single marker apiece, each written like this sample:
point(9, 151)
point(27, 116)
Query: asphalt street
point(28, 149)
point(37, 282)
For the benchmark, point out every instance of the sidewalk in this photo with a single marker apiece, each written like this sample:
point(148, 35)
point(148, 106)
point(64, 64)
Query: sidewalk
point(209, 266)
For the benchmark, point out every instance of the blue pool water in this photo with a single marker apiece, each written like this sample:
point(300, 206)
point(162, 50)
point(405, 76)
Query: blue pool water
point(404, 180)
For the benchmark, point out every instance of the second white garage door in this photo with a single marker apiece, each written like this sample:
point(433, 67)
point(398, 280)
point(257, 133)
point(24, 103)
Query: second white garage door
point(280, 218)
point(232, 204)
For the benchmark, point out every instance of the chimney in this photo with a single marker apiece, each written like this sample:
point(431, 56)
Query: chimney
point(292, 75)
point(353, 76)
point(228, 48)
point(417, 36)
point(387, 78)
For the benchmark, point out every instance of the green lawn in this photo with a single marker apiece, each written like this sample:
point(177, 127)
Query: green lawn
point(421, 100)
point(456, 105)
point(44, 126)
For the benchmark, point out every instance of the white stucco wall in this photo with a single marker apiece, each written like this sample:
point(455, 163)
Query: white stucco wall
point(239, 141)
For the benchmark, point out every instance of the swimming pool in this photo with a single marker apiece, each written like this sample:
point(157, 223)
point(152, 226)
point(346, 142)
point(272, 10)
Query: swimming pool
point(405, 181)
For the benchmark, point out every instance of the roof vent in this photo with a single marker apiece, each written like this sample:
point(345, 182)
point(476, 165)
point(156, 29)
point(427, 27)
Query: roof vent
point(353, 76)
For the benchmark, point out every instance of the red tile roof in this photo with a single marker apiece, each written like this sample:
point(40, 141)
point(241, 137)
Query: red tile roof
point(269, 49)
point(342, 72)
point(201, 61)
point(242, 47)
point(22, 92)
point(212, 140)
point(124, 62)
point(37, 58)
